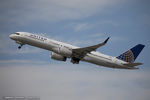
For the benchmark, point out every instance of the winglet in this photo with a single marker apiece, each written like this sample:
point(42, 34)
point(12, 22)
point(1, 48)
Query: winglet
point(106, 40)
point(81, 52)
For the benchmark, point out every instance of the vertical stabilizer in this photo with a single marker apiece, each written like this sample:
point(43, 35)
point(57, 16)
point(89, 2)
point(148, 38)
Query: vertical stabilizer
point(132, 54)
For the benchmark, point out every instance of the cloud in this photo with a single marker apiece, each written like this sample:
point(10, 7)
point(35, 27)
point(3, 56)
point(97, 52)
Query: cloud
point(92, 39)
point(97, 35)
point(110, 22)
point(28, 50)
point(67, 82)
point(118, 38)
point(3, 42)
point(23, 50)
point(81, 26)
point(18, 61)
point(51, 10)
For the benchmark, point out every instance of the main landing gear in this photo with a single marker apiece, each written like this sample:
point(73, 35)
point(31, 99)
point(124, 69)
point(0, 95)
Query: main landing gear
point(75, 60)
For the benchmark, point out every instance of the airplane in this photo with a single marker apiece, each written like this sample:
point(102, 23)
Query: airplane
point(61, 51)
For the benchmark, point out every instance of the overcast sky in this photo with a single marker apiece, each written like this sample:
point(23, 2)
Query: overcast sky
point(31, 72)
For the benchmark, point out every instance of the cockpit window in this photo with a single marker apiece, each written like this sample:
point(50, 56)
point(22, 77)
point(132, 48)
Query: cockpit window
point(17, 33)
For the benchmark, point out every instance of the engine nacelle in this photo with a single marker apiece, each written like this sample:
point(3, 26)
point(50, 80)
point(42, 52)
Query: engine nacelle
point(59, 57)
point(65, 51)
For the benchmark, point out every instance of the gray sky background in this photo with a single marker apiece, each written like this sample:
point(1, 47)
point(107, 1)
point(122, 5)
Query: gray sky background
point(31, 72)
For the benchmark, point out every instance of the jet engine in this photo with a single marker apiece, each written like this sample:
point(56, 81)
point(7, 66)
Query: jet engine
point(59, 57)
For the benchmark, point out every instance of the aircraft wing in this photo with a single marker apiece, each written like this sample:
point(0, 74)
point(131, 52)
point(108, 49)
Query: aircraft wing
point(81, 52)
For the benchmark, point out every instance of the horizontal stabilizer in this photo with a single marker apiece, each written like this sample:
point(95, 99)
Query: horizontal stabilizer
point(132, 64)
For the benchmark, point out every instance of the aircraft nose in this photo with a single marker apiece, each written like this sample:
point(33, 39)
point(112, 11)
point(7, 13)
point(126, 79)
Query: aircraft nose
point(11, 36)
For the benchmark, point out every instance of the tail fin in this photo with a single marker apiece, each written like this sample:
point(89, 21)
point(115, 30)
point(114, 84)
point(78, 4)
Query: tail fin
point(131, 55)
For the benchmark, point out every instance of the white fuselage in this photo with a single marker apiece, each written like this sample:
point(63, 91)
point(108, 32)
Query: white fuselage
point(66, 49)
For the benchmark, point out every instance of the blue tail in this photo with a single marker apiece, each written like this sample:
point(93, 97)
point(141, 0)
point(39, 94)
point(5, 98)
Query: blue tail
point(131, 55)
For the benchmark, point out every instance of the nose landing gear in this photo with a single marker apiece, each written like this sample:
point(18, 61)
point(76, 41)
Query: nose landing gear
point(19, 47)
point(20, 44)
